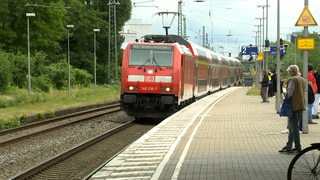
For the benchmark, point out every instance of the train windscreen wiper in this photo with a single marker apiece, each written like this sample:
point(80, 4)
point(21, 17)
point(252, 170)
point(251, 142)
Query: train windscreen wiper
point(151, 61)
point(154, 60)
point(145, 63)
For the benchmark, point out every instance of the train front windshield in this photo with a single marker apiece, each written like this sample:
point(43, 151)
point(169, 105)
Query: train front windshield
point(148, 55)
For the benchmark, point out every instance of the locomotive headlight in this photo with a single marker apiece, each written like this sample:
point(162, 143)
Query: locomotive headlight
point(150, 71)
point(131, 88)
point(165, 89)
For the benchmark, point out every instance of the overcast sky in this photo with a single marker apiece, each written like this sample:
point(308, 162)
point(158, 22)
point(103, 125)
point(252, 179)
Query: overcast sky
point(227, 17)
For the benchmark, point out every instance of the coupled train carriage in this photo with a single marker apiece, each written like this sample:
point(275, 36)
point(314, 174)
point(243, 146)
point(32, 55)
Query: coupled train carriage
point(163, 73)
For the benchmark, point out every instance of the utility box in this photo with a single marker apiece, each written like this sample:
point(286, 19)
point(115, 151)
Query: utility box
point(248, 81)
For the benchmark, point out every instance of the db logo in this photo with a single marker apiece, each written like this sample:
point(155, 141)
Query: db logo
point(149, 79)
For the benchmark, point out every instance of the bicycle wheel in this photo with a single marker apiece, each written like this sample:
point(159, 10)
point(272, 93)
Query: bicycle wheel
point(305, 165)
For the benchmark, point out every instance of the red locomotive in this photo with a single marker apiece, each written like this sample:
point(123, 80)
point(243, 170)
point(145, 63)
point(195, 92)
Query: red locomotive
point(163, 73)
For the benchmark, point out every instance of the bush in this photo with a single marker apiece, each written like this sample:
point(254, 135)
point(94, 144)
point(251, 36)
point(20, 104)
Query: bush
point(81, 77)
point(41, 83)
point(58, 74)
point(51, 114)
point(12, 122)
point(2, 124)
point(23, 120)
point(41, 117)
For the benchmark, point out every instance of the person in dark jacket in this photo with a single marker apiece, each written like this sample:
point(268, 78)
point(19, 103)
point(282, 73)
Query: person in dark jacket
point(264, 86)
point(274, 86)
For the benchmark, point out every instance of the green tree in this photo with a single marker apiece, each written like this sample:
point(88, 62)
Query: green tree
point(314, 55)
point(5, 69)
point(46, 28)
point(19, 70)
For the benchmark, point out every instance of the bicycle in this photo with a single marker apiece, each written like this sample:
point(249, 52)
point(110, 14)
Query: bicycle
point(306, 164)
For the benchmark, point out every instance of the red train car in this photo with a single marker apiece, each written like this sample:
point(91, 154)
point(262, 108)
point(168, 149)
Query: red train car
point(161, 74)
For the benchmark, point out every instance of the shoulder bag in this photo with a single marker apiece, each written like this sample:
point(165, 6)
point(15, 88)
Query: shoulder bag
point(286, 108)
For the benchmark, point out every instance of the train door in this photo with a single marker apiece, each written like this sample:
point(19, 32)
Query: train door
point(182, 77)
point(195, 82)
point(210, 77)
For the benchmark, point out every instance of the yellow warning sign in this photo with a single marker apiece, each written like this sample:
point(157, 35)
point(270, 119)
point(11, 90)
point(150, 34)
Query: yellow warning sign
point(260, 56)
point(306, 18)
point(305, 43)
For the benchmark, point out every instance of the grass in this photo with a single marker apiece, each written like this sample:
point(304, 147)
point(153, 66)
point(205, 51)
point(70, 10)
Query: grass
point(254, 91)
point(17, 103)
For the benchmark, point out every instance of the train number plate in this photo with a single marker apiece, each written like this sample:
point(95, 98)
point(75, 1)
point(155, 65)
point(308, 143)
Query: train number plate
point(149, 89)
point(149, 79)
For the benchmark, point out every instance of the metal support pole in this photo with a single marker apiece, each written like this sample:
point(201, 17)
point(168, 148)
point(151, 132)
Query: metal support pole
point(266, 57)
point(180, 17)
point(109, 43)
point(204, 36)
point(261, 38)
point(95, 55)
point(115, 39)
point(112, 33)
point(295, 49)
point(69, 26)
point(278, 58)
point(94, 58)
point(68, 61)
point(305, 76)
point(29, 68)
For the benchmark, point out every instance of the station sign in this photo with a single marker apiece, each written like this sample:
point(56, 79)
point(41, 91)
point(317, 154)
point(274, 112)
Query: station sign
point(273, 50)
point(249, 50)
point(305, 43)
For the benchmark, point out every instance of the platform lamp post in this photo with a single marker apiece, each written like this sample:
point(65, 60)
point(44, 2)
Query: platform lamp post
point(69, 26)
point(29, 69)
point(263, 39)
point(95, 55)
point(258, 75)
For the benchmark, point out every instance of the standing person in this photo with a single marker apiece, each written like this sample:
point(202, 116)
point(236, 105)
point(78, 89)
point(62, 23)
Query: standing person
point(310, 103)
point(295, 90)
point(264, 87)
point(274, 86)
point(271, 91)
point(313, 84)
point(315, 106)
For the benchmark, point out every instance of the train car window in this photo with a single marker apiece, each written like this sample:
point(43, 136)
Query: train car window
point(225, 61)
point(215, 59)
point(149, 55)
point(231, 62)
point(202, 55)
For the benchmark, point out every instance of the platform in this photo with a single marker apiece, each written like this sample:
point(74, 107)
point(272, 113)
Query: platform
point(227, 135)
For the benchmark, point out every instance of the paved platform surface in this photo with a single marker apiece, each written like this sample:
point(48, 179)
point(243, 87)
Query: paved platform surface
point(227, 135)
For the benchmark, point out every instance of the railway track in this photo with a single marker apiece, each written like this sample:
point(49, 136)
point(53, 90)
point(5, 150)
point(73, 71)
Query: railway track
point(79, 162)
point(20, 133)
